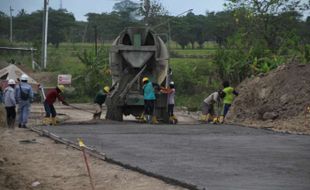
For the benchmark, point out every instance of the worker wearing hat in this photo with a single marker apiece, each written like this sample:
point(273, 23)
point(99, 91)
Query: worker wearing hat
point(149, 100)
point(99, 100)
point(24, 97)
point(50, 112)
point(170, 91)
point(10, 103)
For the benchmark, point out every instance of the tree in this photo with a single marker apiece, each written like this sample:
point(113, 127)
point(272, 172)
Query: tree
point(221, 25)
point(267, 19)
point(109, 25)
point(195, 29)
point(60, 24)
point(96, 71)
point(77, 31)
point(127, 9)
point(28, 27)
point(4, 26)
point(150, 10)
point(180, 31)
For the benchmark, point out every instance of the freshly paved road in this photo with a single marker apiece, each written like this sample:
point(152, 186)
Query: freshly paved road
point(208, 156)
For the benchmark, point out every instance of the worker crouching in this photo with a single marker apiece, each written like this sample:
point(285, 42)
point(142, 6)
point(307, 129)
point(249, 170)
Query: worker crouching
point(50, 112)
point(99, 100)
point(208, 113)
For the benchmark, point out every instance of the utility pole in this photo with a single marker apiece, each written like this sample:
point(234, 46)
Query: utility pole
point(44, 35)
point(11, 24)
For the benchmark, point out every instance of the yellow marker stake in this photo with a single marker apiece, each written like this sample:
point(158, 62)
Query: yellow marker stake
point(81, 143)
point(82, 146)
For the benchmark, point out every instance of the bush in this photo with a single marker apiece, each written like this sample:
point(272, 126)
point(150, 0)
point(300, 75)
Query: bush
point(194, 80)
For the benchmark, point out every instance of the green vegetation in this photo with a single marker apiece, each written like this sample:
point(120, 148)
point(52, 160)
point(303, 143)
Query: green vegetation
point(248, 38)
point(194, 79)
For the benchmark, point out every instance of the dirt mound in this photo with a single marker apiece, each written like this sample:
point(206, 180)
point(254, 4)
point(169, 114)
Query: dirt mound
point(277, 100)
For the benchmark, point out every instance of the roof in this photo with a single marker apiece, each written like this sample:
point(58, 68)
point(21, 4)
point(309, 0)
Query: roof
point(13, 72)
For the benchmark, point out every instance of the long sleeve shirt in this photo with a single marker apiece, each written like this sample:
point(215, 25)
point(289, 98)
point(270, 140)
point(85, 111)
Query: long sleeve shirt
point(52, 95)
point(148, 91)
point(171, 94)
point(26, 88)
point(100, 98)
point(9, 97)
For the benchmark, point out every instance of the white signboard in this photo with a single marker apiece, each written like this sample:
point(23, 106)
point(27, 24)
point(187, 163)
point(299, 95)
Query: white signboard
point(64, 79)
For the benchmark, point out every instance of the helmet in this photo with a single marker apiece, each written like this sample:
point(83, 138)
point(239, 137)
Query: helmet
point(145, 79)
point(24, 77)
point(61, 87)
point(171, 83)
point(106, 89)
point(11, 81)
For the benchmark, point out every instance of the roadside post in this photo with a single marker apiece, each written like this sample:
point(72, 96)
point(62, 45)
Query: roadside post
point(82, 146)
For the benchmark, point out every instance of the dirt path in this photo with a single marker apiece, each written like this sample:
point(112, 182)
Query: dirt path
point(56, 166)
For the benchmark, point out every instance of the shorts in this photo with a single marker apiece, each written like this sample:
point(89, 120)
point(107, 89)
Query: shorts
point(98, 108)
point(207, 109)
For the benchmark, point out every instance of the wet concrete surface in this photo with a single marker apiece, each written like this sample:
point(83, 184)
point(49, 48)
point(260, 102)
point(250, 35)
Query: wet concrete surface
point(210, 157)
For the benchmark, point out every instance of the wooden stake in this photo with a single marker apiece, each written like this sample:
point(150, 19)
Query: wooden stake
point(82, 146)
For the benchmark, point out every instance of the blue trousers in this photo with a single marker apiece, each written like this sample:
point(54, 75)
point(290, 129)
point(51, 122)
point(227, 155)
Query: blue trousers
point(49, 110)
point(226, 108)
point(23, 111)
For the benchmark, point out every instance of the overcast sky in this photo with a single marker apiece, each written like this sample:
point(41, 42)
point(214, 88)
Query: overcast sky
point(80, 7)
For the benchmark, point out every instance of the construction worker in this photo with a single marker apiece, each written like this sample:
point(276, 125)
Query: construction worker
point(50, 112)
point(171, 95)
point(10, 103)
point(230, 94)
point(208, 105)
point(149, 100)
point(99, 100)
point(24, 97)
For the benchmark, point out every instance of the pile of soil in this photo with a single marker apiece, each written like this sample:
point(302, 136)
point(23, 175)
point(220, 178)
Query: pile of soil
point(277, 100)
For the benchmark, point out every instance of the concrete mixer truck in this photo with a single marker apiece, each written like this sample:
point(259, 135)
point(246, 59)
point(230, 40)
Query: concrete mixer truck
point(136, 53)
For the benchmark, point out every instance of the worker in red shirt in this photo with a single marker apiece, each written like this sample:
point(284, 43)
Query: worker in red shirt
point(50, 99)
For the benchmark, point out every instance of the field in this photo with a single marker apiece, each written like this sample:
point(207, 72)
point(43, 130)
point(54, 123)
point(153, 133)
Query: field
point(194, 77)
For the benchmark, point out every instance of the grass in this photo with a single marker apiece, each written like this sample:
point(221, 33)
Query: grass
point(210, 51)
point(194, 77)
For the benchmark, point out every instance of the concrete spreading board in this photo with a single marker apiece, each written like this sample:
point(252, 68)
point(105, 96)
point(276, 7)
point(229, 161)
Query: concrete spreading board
point(209, 157)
